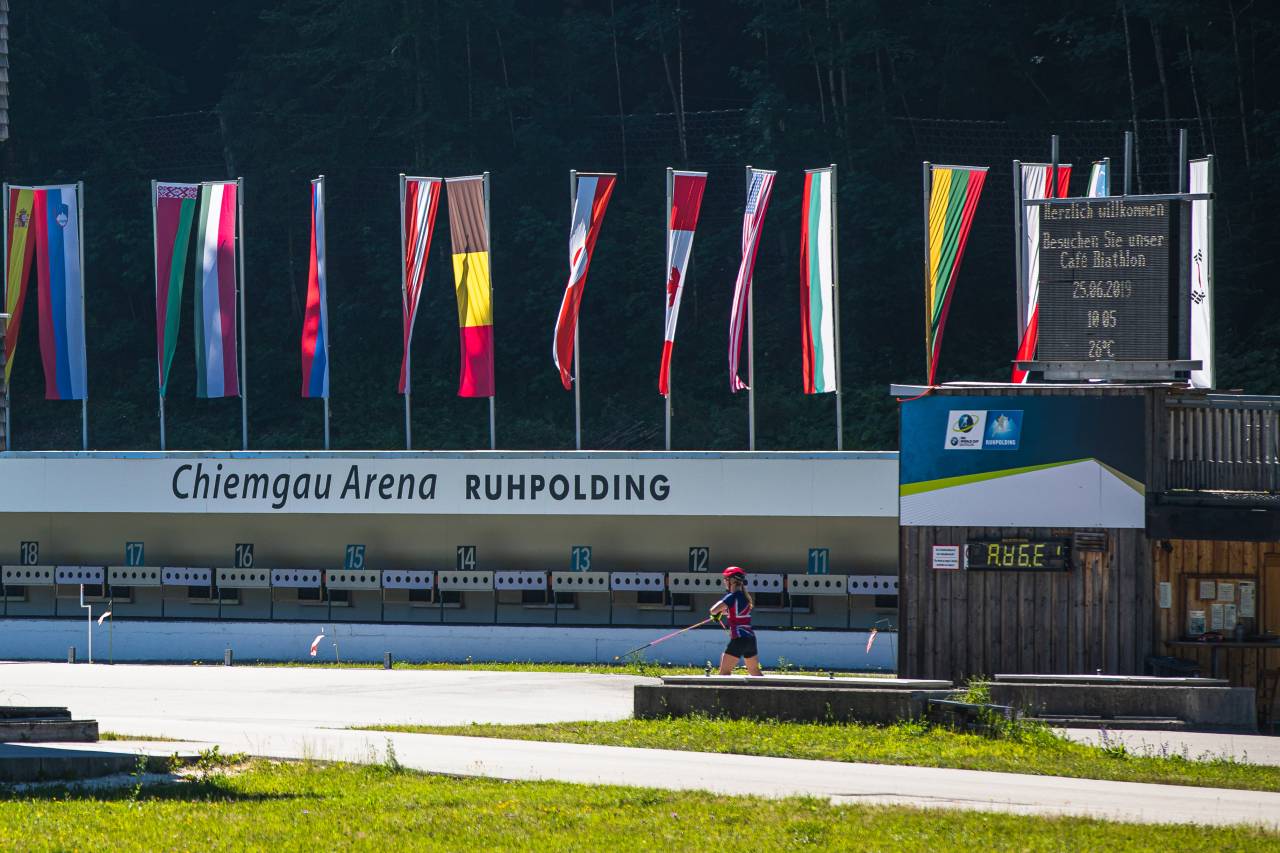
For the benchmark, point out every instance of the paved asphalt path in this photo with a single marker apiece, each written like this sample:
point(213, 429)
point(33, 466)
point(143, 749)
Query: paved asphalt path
point(303, 713)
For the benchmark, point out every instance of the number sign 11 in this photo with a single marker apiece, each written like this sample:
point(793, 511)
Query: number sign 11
point(819, 561)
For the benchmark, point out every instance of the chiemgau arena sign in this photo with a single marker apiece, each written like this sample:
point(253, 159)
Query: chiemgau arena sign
point(739, 484)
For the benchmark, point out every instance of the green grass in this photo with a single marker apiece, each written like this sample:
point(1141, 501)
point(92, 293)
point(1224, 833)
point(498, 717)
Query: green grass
point(119, 736)
point(1024, 748)
point(625, 667)
point(307, 806)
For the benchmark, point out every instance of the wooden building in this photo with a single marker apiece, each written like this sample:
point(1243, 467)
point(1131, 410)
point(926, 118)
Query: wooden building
point(1133, 584)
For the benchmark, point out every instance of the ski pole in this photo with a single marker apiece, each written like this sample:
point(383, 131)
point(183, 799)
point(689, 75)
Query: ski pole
point(664, 639)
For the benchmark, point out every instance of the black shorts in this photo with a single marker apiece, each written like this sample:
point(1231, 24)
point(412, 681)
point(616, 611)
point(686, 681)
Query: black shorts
point(742, 647)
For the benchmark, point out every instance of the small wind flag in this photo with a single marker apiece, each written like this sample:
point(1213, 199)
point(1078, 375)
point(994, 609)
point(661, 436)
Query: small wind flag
point(1099, 180)
point(953, 199)
point(315, 323)
point(871, 638)
point(103, 618)
point(817, 285)
point(752, 221)
point(589, 203)
point(315, 644)
point(421, 198)
point(215, 292)
point(682, 219)
point(1036, 184)
point(174, 209)
point(21, 251)
point(469, 233)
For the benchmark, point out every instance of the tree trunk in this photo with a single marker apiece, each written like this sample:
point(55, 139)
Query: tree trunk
point(1133, 95)
point(1157, 44)
point(506, 82)
point(817, 69)
point(617, 76)
point(684, 138)
point(1235, 47)
point(671, 86)
point(1195, 93)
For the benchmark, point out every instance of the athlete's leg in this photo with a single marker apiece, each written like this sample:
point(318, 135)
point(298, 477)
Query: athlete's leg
point(727, 663)
point(753, 665)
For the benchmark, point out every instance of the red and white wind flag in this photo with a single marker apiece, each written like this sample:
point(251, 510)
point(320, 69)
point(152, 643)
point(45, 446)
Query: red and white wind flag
point(682, 219)
point(1036, 183)
point(752, 221)
point(590, 200)
point(419, 200)
point(315, 644)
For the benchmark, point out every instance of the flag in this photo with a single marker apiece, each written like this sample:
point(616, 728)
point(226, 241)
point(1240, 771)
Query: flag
point(215, 292)
point(315, 644)
point(469, 233)
point(315, 323)
point(758, 191)
point(1036, 184)
point(817, 284)
point(21, 251)
point(682, 219)
point(1099, 179)
point(173, 211)
point(420, 198)
point(871, 639)
point(953, 198)
point(1201, 250)
point(589, 203)
point(56, 219)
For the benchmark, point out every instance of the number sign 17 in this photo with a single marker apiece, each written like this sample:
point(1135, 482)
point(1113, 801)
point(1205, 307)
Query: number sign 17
point(134, 554)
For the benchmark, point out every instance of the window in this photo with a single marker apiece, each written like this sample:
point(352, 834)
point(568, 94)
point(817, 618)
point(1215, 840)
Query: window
point(210, 594)
point(887, 601)
point(447, 598)
point(783, 601)
point(118, 593)
point(13, 592)
point(310, 595)
point(661, 598)
point(339, 596)
point(543, 598)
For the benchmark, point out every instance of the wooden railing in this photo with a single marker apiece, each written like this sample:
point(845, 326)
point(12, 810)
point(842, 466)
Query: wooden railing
point(1221, 443)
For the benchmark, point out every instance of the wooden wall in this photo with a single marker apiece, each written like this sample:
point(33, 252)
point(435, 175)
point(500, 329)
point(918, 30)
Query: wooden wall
point(1097, 616)
point(1180, 561)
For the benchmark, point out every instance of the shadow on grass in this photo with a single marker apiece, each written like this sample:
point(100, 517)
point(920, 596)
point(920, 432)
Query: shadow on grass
point(218, 790)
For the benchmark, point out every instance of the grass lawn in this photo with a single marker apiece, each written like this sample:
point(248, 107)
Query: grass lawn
point(626, 667)
point(318, 807)
point(1026, 748)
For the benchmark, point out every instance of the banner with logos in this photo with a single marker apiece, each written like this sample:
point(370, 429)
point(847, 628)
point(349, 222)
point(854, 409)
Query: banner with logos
point(1023, 461)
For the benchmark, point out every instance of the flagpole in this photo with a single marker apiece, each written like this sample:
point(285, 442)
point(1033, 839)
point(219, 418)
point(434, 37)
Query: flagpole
point(751, 347)
point(667, 272)
point(493, 420)
point(928, 307)
point(324, 327)
point(155, 258)
point(244, 384)
point(84, 402)
point(7, 398)
point(577, 364)
point(835, 304)
point(1106, 176)
point(404, 301)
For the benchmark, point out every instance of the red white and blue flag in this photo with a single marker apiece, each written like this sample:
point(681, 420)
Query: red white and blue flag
point(682, 219)
point(315, 324)
point(55, 223)
point(589, 203)
point(1037, 182)
point(758, 191)
point(420, 199)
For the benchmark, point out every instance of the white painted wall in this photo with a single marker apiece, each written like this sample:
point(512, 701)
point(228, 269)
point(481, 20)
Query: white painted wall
point(170, 640)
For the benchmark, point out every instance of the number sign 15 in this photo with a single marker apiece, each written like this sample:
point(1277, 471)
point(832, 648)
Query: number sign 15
point(354, 561)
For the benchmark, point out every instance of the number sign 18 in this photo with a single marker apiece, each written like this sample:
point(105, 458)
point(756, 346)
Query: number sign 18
point(29, 553)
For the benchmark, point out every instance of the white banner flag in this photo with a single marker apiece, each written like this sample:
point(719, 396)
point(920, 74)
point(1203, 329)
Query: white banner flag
point(1201, 275)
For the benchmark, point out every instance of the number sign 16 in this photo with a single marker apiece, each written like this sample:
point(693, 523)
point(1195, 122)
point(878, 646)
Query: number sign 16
point(244, 555)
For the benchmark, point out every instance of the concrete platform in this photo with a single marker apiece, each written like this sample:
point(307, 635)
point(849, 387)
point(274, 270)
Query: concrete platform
point(43, 724)
point(1204, 707)
point(792, 698)
point(71, 761)
point(1111, 680)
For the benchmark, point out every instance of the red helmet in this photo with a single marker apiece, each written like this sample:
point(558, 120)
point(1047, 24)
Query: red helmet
point(733, 572)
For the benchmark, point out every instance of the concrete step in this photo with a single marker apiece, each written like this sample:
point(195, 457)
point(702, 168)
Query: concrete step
point(36, 763)
point(56, 730)
point(27, 712)
point(1115, 723)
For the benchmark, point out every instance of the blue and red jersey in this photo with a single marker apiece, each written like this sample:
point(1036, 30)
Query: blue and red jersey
point(737, 615)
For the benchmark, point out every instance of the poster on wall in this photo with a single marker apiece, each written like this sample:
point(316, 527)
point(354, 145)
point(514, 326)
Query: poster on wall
point(1022, 461)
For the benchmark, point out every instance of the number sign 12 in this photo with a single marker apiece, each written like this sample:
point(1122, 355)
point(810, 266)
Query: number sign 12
point(354, 561)
point(580, 558)
point(134, 554)
point(699, 558)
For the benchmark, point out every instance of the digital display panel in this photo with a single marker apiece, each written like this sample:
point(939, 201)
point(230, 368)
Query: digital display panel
point(1028, 555)
point(1105, 283)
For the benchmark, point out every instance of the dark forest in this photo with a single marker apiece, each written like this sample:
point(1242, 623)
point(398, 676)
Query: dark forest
point(118, 92)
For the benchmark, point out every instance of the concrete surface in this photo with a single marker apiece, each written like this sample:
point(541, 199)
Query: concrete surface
point(289, 713)
point(182, 641)
point(23, 762)
point(1248, 748)
point(1204, 707)
point(808, 704)
point(816, 681)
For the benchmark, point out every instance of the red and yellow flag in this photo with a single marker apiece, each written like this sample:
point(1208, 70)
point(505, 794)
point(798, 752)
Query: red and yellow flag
point(953, 198)
point(469, 231)
point(21, 251)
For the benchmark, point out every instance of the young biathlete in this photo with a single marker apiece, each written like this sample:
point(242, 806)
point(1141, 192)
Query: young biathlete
point(734, 612)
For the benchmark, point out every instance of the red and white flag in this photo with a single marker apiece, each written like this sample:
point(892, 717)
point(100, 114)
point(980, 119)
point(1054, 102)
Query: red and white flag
point(682, 219)
point(1036, 183)
point(419, 200)
point(752, 221)
point(315, 644)
point(589, 203)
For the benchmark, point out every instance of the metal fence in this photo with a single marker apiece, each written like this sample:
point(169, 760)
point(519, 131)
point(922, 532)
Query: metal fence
point(1223, 444)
